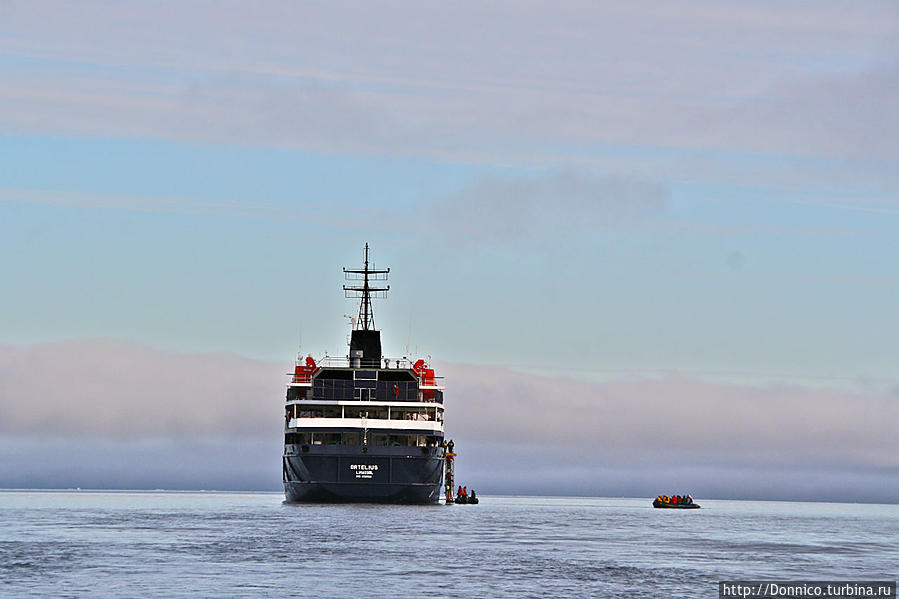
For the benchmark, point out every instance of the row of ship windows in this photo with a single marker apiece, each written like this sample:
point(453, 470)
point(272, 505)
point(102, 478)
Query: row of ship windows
point(384, 390)
point(376, 440)
point(384, 413)
point(364, 391)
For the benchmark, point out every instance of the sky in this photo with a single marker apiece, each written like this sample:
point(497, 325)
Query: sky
point(655, 242)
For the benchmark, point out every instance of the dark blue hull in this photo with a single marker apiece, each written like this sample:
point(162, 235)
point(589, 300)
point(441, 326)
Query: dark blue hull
point(379, 475)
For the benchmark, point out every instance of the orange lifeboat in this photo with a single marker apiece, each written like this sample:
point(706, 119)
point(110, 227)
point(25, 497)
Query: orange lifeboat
point(303, 373)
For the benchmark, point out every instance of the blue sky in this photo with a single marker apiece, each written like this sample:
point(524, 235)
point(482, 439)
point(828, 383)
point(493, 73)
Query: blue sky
point(604, 192)
point(227, 248)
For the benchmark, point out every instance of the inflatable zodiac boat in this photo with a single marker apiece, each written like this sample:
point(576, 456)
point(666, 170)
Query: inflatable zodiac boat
point(675, 502)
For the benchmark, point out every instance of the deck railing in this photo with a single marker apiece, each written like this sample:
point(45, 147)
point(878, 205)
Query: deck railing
point(347, 362)
point(430, 381)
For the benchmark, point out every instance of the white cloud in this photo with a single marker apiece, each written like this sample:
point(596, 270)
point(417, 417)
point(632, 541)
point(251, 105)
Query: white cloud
point(581, 84)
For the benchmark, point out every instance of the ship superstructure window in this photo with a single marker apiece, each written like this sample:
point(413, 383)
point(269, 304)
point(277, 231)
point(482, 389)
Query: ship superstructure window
point(356, 412)
point(354, 438)
point(373, 412)
point(414, 414)
point(298, 438)
point(363, 388)
point(294, 393)
point(350, 439)
point(332, 389)
point(397, 391)
point(319, 412)
point(396, 375)
point(344, 374)
point(366, 382)
point(325, 439)
point(382, 440)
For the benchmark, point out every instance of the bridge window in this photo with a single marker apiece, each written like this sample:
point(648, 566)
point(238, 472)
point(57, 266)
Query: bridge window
point(397, 391)
point(332, 389)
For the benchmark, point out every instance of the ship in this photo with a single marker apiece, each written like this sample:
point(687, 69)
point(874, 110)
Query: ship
point(365, 428)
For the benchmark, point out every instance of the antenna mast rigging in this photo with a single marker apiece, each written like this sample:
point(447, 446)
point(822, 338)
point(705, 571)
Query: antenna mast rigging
point(366, 320)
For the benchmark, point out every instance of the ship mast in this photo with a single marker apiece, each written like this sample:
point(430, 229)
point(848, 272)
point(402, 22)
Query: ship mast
point(366, 320)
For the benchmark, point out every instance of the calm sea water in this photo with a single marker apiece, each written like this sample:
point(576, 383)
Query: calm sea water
point(122, 544)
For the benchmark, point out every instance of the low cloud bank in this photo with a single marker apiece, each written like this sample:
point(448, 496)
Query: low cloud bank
point(113, 389)
point(676, 420)
point(112, 414)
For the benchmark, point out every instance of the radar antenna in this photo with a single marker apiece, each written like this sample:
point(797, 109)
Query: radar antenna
point(366, 320)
